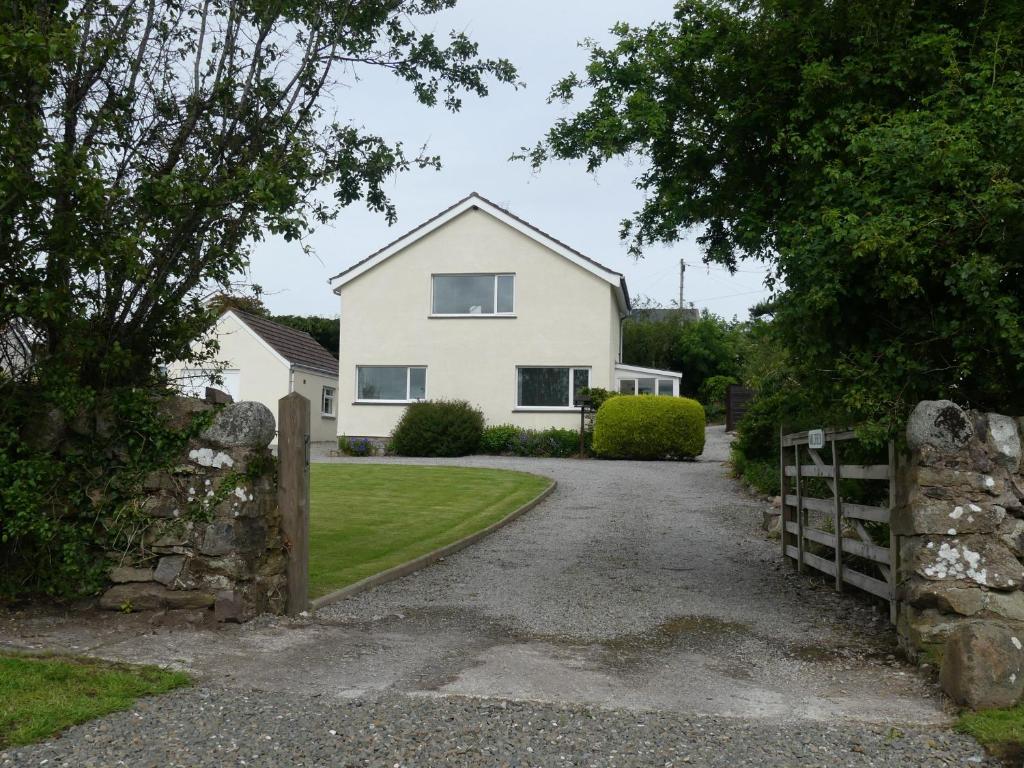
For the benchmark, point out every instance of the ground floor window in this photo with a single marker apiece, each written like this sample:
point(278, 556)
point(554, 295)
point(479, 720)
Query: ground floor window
point(327, 401)
point(394, 383)
point(550, 387)
point(646, 386)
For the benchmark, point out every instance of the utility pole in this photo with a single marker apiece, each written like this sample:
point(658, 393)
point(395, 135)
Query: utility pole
point(682, 281)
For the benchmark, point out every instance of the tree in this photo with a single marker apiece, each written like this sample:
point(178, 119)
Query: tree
point(144, 146)
point(699, 349)
point(871, 151)
point(325, 330)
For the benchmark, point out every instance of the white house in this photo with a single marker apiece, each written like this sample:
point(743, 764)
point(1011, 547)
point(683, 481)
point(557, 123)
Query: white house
point(264, 361)
point(476, 304)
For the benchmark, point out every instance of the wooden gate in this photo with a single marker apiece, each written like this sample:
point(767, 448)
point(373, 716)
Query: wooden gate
point(803, 514)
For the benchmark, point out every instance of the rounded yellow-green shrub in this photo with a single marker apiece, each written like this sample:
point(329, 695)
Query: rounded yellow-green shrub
point(649, 427)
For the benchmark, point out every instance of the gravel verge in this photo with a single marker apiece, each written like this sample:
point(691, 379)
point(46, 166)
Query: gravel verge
point(208, 727)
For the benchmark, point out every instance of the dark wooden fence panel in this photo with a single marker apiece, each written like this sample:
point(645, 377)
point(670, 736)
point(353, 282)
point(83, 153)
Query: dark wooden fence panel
point(736, 400)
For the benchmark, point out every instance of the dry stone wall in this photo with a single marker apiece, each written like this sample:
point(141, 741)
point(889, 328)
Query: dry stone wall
point(960, 516)
point(209, 532)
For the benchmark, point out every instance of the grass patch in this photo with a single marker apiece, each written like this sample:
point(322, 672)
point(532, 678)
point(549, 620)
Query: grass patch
point(366, 518)
point(41, 696)
point(1001, 731)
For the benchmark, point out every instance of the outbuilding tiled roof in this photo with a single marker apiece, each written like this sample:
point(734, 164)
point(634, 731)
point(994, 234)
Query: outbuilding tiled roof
point(297, 347)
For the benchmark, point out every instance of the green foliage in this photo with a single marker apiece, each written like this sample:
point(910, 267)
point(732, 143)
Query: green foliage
point(871, 152)
point(438, 428)
point(1000, 730)
point(649, 427)
point(69, 484)
point(144, 149)
point(43, 696)
point(598, 396)
point(510, 440)
point(325, 330)
point(355, 446)
point(699, 349)
point(714, 388)
point(499, 439)
point(712, 394)
point(760, 474)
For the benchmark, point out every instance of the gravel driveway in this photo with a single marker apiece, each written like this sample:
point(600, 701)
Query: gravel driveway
point(636, 617)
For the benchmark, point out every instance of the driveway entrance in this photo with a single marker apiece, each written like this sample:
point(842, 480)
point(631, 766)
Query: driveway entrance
point(636, 617)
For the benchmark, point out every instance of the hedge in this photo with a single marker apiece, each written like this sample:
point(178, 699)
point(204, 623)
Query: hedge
point(438, 428)
point(510, 440)
point(649, 427)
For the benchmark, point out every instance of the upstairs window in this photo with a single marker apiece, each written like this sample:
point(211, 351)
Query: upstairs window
point(550, 387)
point(473, 294)
point(386, 383)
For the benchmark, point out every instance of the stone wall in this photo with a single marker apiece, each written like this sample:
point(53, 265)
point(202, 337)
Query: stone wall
point(209, 529)
point(960, 516)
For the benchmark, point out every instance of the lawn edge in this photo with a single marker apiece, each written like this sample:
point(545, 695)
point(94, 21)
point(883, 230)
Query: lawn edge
point(416, 564)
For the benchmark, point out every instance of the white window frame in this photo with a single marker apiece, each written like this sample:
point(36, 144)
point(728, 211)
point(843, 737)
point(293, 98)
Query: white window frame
point(494, 275)
point(324, 390)
point(657, 383)
point(408, 386)
point(572, 389)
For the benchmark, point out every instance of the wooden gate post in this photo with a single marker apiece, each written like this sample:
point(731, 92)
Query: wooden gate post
point(783, 489)
point(293, 494)
point(837, 514)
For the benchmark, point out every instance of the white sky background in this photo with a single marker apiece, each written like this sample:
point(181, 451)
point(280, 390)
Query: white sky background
point(580, 209)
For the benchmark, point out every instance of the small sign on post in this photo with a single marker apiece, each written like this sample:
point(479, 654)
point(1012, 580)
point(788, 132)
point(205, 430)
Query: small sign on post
point(816, 439)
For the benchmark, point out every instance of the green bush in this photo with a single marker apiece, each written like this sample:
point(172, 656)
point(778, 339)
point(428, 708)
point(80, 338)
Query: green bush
point(712, 391)
point(598, 396)
point(499, 439)
point(649, 427)
point(438, 428)
point(355, 446)
point(760, 474)
point(510, 440)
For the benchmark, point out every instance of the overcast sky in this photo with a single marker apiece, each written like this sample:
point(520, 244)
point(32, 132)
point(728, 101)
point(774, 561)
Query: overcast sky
point(583, 210)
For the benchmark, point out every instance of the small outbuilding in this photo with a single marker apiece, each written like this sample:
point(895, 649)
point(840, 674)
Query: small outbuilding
point(263, 361)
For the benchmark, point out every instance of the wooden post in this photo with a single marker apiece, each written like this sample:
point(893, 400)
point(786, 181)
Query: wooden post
point(837, 516)
point(799, 514)
point(783, 484)
point(583, 426)
point(293, 494)
point(894, 541)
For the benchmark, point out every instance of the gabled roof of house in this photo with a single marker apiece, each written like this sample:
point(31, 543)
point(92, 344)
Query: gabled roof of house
point(296, 347)
point(479, 202)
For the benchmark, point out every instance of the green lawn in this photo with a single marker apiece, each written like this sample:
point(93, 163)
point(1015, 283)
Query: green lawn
point(366, 518)
point(42, 696)
point(1001, 730)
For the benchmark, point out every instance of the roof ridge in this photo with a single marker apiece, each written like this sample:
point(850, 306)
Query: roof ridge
point(297, 347)
point(451, 207)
